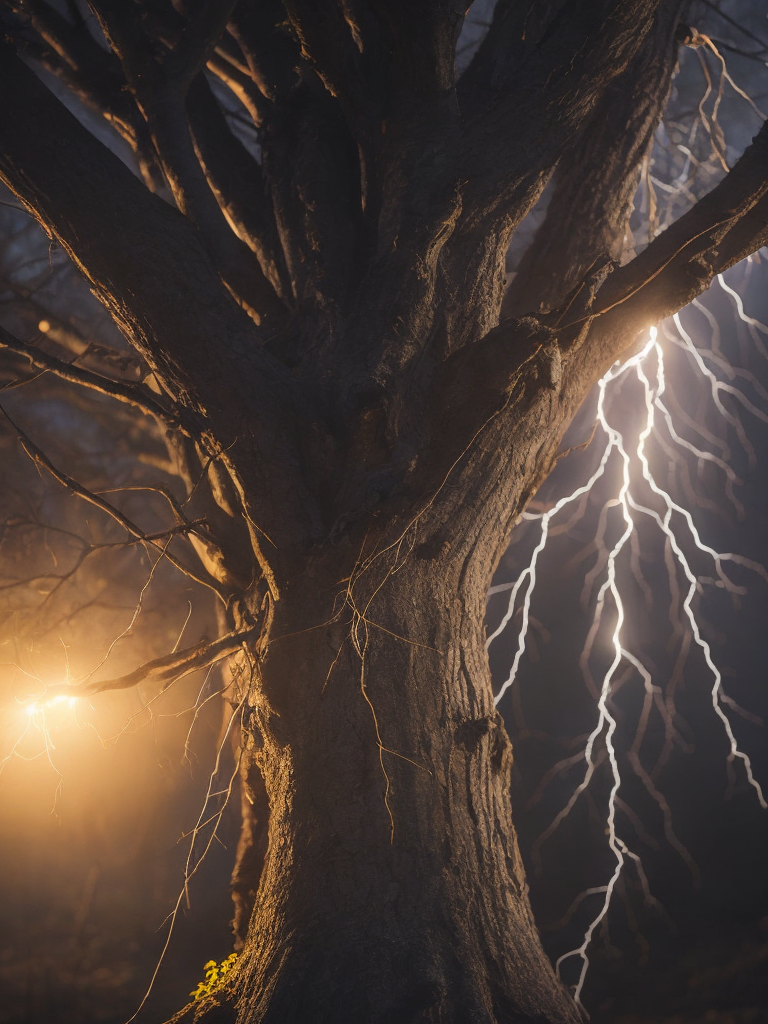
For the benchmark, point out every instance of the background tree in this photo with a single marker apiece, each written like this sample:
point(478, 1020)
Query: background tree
point(358, 414)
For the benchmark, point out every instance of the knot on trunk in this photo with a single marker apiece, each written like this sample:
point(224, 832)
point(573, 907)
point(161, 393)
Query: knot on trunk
point(470, 734)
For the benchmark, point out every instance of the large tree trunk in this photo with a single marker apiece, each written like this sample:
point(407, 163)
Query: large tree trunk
point(393, 889)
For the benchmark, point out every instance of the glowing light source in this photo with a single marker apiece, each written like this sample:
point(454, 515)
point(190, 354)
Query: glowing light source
point(42, 704)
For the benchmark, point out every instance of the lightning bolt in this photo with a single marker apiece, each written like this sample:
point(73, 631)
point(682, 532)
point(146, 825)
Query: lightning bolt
point(679, 531)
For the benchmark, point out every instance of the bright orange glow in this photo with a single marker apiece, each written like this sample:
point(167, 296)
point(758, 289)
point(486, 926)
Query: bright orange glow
point(41, 705)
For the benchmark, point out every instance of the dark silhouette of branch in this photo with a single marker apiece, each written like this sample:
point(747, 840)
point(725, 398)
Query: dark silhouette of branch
point(41, 459)
point(132, 394)
point(140, 255)
point(597, 176)
point(92, 73)
point(160, 88)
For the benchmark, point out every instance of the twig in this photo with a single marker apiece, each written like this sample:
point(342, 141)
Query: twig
point(133, 394)
point(41, 459)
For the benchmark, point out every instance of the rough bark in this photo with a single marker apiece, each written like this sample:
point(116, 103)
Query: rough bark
point(371, 722)
point(597, 176)
point(387, 771)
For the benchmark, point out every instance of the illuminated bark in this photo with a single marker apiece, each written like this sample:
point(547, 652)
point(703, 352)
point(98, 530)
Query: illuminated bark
point(393, 888)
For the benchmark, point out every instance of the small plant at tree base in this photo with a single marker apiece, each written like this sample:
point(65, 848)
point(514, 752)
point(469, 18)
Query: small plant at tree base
point(214, 976)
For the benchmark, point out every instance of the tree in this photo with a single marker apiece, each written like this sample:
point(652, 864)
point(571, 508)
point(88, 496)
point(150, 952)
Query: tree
point(323, 318)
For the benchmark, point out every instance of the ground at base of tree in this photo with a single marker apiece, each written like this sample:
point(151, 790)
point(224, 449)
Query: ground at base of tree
point(720, 977)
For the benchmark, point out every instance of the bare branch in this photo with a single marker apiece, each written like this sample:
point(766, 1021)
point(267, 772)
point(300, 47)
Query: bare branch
point(235, 178)
point(41, 459)
point(167, 669)
point(160, 90)
point(311, 158)
point(269, 48)
point(723, 227)
point(596, 178)
point(143, 258)
point(93, 74)
point(132, 394)
point(330, 39)
point(162, 671)
point(197, 41)
point(240, 85)
point(517, 118)
point(567, 350)
point(523, 99)
point(68, 336)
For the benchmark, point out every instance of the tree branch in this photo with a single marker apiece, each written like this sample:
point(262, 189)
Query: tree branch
point(143, 258)
point(723, 227)
point(330, 38)
point(312, 171)
point(236, 180)
point(310, 161)
point(197, 41)
point(161, 671)
point(597, 176)
point(93, 74)
point(518, 117)
point(160, 89)
point(420, 40)
point(39, 458)
point(568, 350)
point(269, 48)
point(524, 99)
point(133, 394)
point(240, 85)
point(67, 335)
